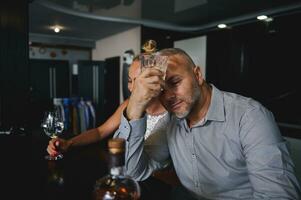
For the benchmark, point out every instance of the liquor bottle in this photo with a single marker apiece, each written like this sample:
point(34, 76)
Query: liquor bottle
point(116, 185)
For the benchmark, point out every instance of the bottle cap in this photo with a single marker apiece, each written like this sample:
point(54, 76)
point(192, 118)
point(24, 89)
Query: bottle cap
point(116, 145)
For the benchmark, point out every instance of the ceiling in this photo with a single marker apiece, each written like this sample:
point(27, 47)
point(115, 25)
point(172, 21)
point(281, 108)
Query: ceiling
point(85, 21)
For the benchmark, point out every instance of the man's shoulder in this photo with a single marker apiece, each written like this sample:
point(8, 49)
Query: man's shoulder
point(237, 106)
point(241, 102)
point(235, 102)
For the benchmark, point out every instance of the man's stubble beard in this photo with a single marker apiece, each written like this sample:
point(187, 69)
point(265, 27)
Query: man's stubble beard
point(192, 101)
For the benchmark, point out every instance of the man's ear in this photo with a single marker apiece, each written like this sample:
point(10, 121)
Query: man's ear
point(198, 75)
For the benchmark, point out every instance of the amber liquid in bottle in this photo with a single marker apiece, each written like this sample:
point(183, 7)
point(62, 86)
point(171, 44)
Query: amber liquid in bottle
point(116, 185)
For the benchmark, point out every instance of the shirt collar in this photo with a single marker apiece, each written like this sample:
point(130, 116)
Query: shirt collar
point(216, 111)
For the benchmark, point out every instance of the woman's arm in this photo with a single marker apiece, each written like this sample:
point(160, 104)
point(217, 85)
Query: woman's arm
point(89, 136)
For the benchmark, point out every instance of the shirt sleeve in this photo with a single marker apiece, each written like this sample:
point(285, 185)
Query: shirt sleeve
point(270, 167)
point(140, 162)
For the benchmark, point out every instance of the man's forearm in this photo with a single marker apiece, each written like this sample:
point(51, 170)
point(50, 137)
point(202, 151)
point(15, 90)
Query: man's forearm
point(134, 110)
point(138, 163)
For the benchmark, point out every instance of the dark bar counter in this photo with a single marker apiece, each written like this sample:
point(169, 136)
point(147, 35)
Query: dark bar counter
point(25, 174)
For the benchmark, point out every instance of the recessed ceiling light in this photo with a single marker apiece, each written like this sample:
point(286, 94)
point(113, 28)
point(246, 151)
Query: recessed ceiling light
point(222, 26)
point(269, 19)
point(262, 17)
point(57, 29)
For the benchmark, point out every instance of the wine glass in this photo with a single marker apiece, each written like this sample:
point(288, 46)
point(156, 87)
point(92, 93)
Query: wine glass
point(53, 125)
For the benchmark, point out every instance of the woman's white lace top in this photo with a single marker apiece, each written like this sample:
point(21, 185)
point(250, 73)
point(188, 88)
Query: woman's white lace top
point(151, 122)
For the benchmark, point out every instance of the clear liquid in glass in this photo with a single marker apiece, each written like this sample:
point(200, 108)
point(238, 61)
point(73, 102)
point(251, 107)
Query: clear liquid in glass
point(53, 125)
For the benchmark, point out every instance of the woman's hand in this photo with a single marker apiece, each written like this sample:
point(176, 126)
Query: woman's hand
point(57, 145)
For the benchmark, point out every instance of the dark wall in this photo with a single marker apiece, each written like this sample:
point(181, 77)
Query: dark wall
point(260, 60)
point(164, 38)
point(13, 63)
point(15, 150)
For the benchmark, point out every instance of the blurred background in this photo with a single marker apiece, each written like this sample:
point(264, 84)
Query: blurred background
point(74, 52)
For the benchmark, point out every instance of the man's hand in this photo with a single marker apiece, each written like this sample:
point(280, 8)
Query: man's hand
point(146, 87)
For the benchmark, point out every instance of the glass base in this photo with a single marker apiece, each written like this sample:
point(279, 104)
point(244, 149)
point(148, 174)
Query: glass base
point(57, 157)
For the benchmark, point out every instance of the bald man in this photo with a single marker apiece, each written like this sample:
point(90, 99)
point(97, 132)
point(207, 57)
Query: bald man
point(223, 145)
